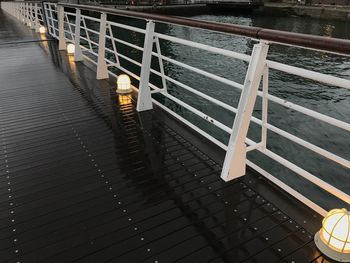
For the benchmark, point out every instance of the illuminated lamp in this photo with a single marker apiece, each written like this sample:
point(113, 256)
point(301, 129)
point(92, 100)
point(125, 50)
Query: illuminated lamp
point(333, 239)
point(70, 49)
point(123, 84)
point(42, 30)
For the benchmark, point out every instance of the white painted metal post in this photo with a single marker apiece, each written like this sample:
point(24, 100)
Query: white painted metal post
point(78, 55)
point(102, 72)
point(264, 112)
point(37, 24)
point(144, 99)
point(61, 33)
point(235, 159)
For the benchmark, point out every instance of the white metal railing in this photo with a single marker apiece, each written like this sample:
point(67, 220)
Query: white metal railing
point(67, 27)
point(29, 13)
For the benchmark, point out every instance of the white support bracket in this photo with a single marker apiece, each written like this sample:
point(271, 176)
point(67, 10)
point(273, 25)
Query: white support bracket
point(61, 33)
point(144, 99)
point(78, 55)
point(235, 160)
point(102, 71)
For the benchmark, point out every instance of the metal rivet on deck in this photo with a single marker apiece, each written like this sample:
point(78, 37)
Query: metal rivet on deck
point(129, 219)
point(148, 249)
point(142, 238)
point(266, 238)
point(124, 210)
point(15, 240)
point(14, 230)
point(16, 251)
point(279, 250)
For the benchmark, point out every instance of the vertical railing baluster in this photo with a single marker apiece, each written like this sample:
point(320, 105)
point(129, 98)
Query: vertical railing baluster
point(32, 21)
point(78, 56)
point(27, 14)
point(61, 33)
point(144, 99)
point(102, 72)
point(265, 107)
point(235, 160)
point(37, 24)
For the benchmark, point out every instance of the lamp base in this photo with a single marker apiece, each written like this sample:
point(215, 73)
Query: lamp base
point(335, 255)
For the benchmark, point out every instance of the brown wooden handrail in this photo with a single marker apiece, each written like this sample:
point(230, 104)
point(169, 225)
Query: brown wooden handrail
point(336, 45)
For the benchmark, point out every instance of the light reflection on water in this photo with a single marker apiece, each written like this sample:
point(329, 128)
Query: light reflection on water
point(328, 100)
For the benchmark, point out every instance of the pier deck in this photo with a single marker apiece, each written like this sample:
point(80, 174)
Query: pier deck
point(85, 178)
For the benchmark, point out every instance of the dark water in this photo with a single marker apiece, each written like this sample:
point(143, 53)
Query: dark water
point(328, 100)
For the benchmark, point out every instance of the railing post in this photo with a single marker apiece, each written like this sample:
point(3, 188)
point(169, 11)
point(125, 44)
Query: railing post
point(235, 160)
point(37, 24)
point(144, 100)
point(61, 33)
point(102, 72)
point(265, 107)
point(78, 56)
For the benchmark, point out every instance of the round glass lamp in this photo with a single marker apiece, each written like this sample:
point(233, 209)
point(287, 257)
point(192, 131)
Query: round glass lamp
point(70, 49)
point(123, 84)
point(42, 30)
point(333, 239)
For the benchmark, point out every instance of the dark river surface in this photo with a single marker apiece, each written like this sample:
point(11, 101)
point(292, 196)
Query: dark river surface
point(325, 99)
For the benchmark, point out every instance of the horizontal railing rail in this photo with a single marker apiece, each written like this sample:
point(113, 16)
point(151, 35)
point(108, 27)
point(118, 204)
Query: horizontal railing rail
point(72, 26)
point(289, 38)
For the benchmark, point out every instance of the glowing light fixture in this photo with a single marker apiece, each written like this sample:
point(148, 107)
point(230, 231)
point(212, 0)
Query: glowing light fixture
point(123, 84)
point(42, 30)
point(70, 49)
point(333, 239)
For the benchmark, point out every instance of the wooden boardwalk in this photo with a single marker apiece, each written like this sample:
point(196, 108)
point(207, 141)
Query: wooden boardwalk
point(85, 178)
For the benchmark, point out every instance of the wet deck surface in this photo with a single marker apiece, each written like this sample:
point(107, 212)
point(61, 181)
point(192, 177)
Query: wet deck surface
point(85, 178)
